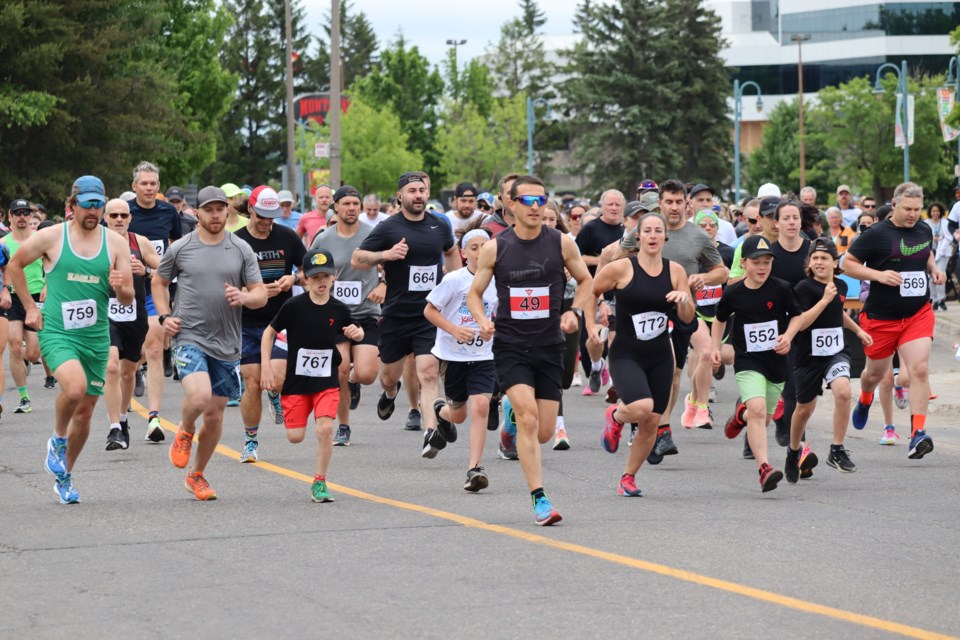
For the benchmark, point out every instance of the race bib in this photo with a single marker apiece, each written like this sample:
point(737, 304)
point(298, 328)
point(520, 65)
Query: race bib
point(826, 342)
point(709, 295)
point(158, 246)
point(475, 346)
point(422, 278)
point(529, 303)
point(281, 341)
point(314, 363)
point(347, 291)
point(914, 284)
point(649, 325)
point(761, 336)
point(838, 370)
point(79, 314)
point(121, 313)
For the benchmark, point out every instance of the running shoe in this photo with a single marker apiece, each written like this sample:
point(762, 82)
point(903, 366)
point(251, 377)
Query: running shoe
point(736, 422)
point(167, 364)
point(180, 448)
point(355, 388)
point(587, 391)
point(50, 382)
point(712, 394)
point(24, 406)
point(719, 372)
point(447, 429)
point(476, 480)
point(689, 413)
point(64, 488)
point(612, 395)
point(249, 453)
point(274, 408)
point(319, 492)
point(125, 433)
point(233, 402)
point(703, 419)
point(154, 430)
point(791, 468)
point(664, 445)
point(493, 417)
point(596, 380)
point(778, 411)
point(782, 431)
point(859, 415)
point(901, 397)
point(890, 435)
point(610, 436)
point(604, 375)
point(56, 460)
point(114, 439)
point(413, 420)
point(839, 459)
point(577, 379)
point(560, 440)
point(433, 442)
point(747, 451)
point(769, 478)
point(653, 457)
point(138, 386)
point(505, 453)
point(808, 460)
point(544, 512)
point(342, 439)
point(199, 487)
point(628, 487)
point(920, 445)
point(634, 427)
point(385, 405)
point(508, 433)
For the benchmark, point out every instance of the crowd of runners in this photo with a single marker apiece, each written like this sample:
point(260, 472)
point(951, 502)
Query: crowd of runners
point(485, 316)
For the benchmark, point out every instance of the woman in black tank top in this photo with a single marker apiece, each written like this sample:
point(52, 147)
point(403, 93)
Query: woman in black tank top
point(647, 288)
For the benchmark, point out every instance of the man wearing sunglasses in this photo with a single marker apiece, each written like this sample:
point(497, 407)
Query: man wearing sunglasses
point(83, 261)
point(464, 210)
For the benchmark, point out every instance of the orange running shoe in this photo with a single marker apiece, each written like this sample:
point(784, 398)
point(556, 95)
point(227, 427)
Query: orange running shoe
point(180, 448)
point(199, 486)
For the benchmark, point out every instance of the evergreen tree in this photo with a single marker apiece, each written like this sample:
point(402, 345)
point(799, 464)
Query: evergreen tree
point(531, 16)
point(518, 62)
point(358, 47)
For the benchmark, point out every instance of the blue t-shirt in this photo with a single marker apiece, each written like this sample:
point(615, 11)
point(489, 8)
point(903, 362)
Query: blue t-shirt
point(289, 222)
point(159, 225)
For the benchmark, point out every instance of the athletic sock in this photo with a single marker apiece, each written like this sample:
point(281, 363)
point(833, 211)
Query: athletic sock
point(596, 366)
point(114, 426)
point(152, 415)
point(251, 432)
point(866, 398)
point(123, 416)
point(23, 393)
point(272, 395)
point(836, 447)
point(536, 494)
point(319, 478)
point(662, 429)
point(560, 424)
point(917, 423)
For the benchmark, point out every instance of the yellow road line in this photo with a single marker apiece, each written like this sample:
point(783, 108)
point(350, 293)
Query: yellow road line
point(616, 558)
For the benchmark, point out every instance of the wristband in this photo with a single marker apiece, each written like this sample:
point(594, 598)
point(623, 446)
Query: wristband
point(162, 317)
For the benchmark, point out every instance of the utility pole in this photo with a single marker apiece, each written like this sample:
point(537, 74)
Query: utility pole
point(800, 39)
point(291, 127)
point(335, 91)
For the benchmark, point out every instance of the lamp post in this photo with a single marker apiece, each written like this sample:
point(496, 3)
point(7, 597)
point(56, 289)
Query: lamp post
point(335, 93)
point(902, 90)
point(531, 116)
point(455, 42)
point(291, 142)
point(800, 39)
point(737, 115)
point(953, 80)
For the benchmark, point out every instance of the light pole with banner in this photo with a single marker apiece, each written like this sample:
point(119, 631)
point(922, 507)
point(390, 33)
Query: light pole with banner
point(531, 121)
point(902, 119)
point(946, 105)
point(737, 116)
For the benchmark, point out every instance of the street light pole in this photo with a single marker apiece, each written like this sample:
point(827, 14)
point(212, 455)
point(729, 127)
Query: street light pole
point(531, 116)
point(291, 126)
point(454, 42)
point(737, 115)
point(902, 90)
point(800, 39)
point(335, 92)
point(953, 79)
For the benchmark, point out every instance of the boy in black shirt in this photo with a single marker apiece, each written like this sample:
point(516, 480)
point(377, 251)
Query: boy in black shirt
point(318, 333)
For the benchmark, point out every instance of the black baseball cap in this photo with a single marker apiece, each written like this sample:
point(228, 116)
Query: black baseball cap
point(20, 204)
point(344, 192)
point(699, 188)
point(826, 245)
point(318, 261)
point(634, 208)
point(465, 189)
point(174, 194)
point(754, 247)
point(411, 176)
point(768, 206)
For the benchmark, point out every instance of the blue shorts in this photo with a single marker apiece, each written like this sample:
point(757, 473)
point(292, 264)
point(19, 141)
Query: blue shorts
point(250, 338)
point(151, 310)
point(224, 374)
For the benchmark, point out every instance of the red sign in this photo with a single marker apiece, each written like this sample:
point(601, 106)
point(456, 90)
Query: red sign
point(315, 106)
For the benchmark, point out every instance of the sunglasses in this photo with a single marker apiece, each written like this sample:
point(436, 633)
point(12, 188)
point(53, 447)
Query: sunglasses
point(483, 206)
point(753, 220)
point(869, 206)
point(114, 216)
point(20, 212)
point(529, 201)
point(91, 204)
point(704, 225)
point(575, 216)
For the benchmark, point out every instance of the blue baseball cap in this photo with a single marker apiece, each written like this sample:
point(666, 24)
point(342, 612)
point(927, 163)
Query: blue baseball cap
point(88, 188)
point(487, 197)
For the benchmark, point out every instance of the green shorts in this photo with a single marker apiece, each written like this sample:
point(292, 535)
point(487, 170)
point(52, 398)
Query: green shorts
point(57, 349)
point(753, 384)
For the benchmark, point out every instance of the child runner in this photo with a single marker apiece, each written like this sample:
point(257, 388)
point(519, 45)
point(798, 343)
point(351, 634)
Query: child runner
point(318, 333)
point(767, 317)
point(466, 360)
point(821, 355)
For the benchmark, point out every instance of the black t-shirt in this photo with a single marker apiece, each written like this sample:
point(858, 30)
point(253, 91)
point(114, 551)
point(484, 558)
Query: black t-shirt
point(759, 317)
point(790, 265)
point(160, 225)
point(595, 236)
point(411, 279)
point(313, 332)
point(276, 256)
point(885, 247)
point(825, 334)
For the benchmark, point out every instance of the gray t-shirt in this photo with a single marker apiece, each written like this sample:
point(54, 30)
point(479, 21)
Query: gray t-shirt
point(206, 320)
point(352, 285)
point(691, 248)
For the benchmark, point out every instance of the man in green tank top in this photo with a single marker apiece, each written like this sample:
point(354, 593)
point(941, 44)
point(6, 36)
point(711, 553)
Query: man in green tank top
point(83, 261)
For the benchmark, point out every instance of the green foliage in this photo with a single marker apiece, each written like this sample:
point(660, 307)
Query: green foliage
point(531, 16)
point(358, 46)
point(518, 63)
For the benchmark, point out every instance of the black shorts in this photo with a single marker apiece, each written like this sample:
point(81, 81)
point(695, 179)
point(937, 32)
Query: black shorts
point(537, 367)
point(464, 379)
point(16, 312)
point(642, 378)
point(809, 379)
point(680, 337)
point(399, 337)
point(371, 330)
point(128, 338)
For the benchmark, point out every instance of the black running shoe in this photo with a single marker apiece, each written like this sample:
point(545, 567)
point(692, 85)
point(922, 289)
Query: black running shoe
point(493, 418)
point(720, 372)
point(747, 451)
point(125, 433)
point(138, 388)
point(385, 405)
point(665, 445)
point(783, 432)
point(433, 442)
point(654, 457)
point(634, 427)
point(791, 468)
point(414, 420)
point(50, 383)
point(167, 364)
point(476, 480)
point(114, 440)
point(446, 428)
point(354, 395)
point(839, 459)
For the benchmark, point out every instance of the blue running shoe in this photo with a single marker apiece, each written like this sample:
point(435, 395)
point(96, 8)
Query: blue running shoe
point(545, 513)
point(56, 462)
point(920, 445)
point(612, 430)
point(509, 418)
point(64, 488)
point(860, 413)
point(628, 487)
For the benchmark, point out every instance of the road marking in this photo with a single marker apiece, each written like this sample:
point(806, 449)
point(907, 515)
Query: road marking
point(615, 558)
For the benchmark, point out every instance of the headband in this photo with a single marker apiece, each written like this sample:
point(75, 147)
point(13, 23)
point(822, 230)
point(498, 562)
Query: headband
point(473, 233)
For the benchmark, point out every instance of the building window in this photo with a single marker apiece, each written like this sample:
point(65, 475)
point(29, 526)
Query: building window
point(897, 19)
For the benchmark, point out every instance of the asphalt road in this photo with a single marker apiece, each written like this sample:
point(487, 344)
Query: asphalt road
point(405, 552)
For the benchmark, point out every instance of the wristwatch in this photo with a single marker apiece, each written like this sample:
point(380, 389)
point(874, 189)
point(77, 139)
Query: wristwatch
point(162, 317)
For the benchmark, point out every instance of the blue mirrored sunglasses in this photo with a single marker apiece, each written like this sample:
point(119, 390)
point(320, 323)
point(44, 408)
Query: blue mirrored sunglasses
point(528, 201)
point(91, 204)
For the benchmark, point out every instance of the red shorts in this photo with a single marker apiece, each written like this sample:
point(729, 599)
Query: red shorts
point(889, 334)
point(296, 408)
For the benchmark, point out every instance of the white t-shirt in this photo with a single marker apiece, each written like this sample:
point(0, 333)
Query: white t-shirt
point(850, 217)
point(457, 223)
point(364, 218)
point(725, 232)
point(450, 298)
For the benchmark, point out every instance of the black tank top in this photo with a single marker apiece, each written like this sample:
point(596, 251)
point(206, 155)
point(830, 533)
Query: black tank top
point(530, 281)
point(643, 312)
point(139, 282)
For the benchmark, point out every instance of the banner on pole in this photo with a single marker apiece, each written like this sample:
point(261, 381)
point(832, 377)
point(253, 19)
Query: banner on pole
point(946, 99)
point(898, 128)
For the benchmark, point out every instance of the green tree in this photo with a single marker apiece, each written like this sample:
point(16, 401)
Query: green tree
point(358, 48)
point(518, 63)
point(20, 105)
point(532, 16)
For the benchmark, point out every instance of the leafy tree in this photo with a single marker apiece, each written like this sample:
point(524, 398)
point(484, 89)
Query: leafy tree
point(518, 63)
point(20, 105)
point(358, 48)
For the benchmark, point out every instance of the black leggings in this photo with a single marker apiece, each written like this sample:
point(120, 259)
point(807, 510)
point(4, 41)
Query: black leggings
point(638, 378)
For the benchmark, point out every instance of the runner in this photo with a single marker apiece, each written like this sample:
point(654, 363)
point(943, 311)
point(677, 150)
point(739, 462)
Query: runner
point(464, 211)
point(372, 216)
point(466, 359)
point(20, 333)
point(314, 221)
point(159, 222)
point(528, 263)
point(278, 250)
point(128, 326)
point(647, 289)
point(236, 207)
point(410, 246)
point(895, 255)
point(82, 261)
point(318, 334)
point(289, 218)
point(217, 274)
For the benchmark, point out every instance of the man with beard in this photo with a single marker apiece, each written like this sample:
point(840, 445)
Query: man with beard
point(464, 211)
